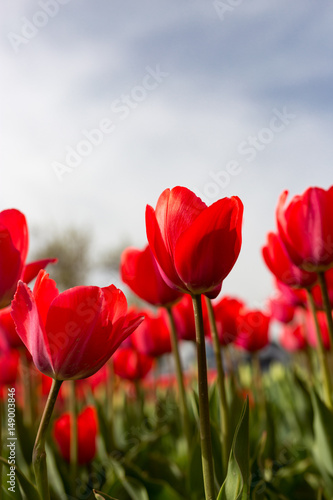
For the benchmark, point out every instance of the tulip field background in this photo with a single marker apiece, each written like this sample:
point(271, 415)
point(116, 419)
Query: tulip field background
point(166, 255)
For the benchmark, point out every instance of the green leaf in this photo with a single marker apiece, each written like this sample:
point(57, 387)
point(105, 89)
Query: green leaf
point(134, 488)
point(99, 495)
point(28, 488)
point(236, 484)
point(323, 434)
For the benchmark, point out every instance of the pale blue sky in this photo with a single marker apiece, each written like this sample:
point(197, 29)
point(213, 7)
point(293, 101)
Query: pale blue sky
point(183, 94)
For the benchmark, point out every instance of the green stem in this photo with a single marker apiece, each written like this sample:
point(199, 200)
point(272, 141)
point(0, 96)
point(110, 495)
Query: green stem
point(180, 378)
point(39, 454)
point(205, 434)
point(73, 434)
point(327, 305)
point(109, 403)
point(326, 379)
point(224, 412)
point(27, 391)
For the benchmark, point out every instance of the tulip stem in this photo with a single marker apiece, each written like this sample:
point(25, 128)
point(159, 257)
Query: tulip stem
point(180, 378)
point(39, 454)
point(73, 457)
point(325, 374)
point(205, 434)
point(326, 304)
point(224, 413)
point(109, 403)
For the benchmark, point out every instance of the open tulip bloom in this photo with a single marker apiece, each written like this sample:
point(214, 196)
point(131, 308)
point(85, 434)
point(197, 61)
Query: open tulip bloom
point(14, 244)
point(72, 334)
point(194, 245)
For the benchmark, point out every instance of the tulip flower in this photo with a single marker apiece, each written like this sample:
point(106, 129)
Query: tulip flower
point(293, 338)
point(87, 428)
point(281, 309)
point(140, 272)
point(306, 228)
point(226, 313)
point(184, 318)
point(311, 330)
point(194, 245)
point(9, 364)
point(14, 243)
point(130, 364)
point(152, 337)
point(279, 263)
point(253, 329)
point(72, 334)
point(8, 335)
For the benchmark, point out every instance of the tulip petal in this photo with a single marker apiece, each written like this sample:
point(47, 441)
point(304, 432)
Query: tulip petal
point(10, 267)
point(45, 291)
point(161, 252)
point(30, 328)
point(74, 327)
point(31, 270)
point(176, 210)
point(207, 251)
point(16, 224)
point(140, 272)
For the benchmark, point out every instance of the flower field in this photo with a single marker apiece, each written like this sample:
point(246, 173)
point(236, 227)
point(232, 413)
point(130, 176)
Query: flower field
point(88, 409)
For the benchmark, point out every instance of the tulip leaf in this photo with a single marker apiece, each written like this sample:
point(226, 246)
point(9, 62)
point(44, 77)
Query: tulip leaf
point(99, 495)
point(323, 434)
point(236, 484)
point(28, 488)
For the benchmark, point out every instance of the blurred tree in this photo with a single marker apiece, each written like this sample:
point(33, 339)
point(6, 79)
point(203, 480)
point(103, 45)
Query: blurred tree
point(72, 249)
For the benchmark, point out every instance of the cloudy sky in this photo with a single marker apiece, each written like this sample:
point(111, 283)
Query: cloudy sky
point(105, 104)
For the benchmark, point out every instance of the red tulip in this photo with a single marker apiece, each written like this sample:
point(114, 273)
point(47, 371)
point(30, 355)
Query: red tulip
point(140, 272)
point(292, 338)
point(9, 363)
point(281, 309)
point(87, 428)
point(306, 228)
point(253, 329)
point(311, 329)
point(279, 263)
point(316, 291)
point(14, 243)
point(226, 312)
point(294, 296)
point(153, 336)
point(194, 245)
point(130, 364)
point(72, 334)
point(184, 318)
point(8, 335)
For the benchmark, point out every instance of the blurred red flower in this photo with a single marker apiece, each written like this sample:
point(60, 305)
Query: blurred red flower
point(152, 337)
point(130, 364)
point(9, 364)
point(72, 334)
point(194, 245)
point(226, 312)
point(14, 243)
point(87, 428)
point(253, 326)
point(311, 329)
point(140, 272)
point(293, 338)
